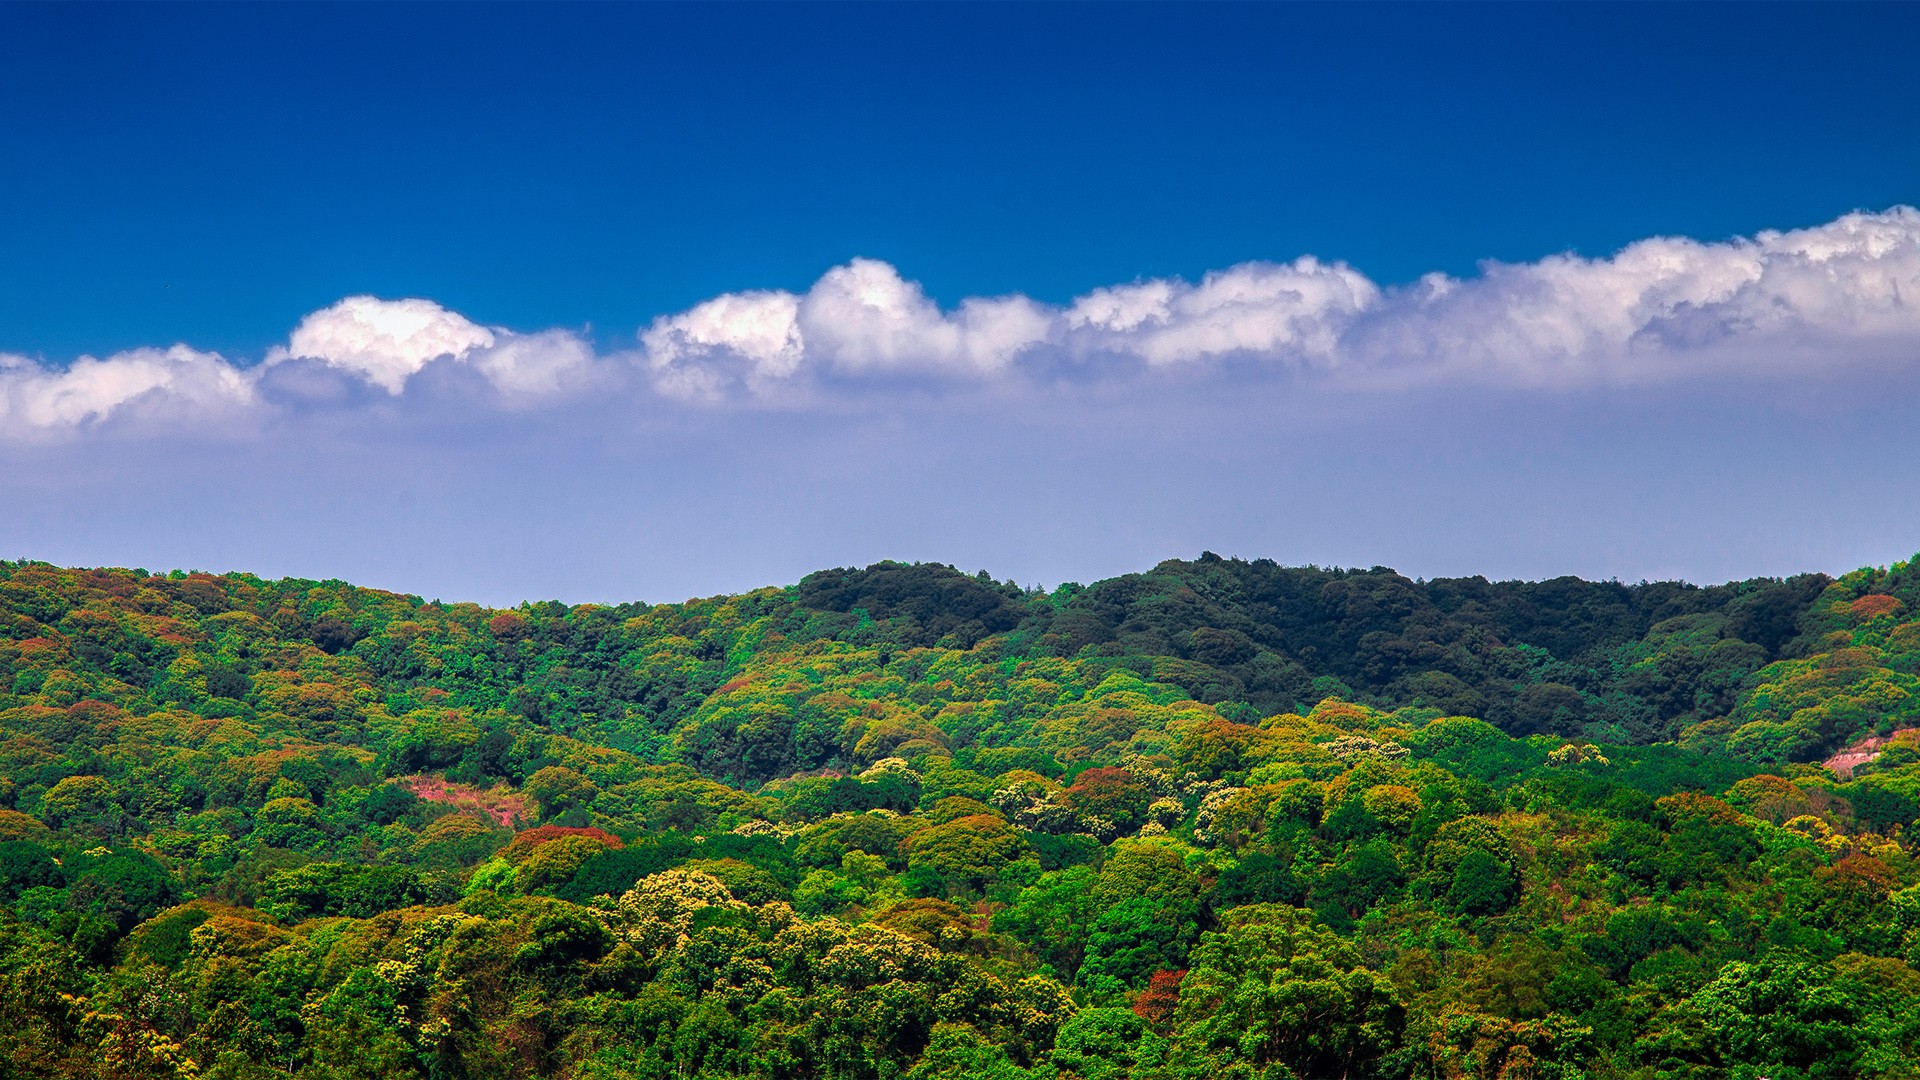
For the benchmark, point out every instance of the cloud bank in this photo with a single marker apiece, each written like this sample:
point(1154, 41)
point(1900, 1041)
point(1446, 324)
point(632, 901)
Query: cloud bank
point(1779, 304)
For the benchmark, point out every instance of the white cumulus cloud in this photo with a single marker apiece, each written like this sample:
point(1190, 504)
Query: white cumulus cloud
point(865, 317)
point(1292, 312)
point(748, 337)
point(378, 343)
point(530, 367)
point(861, 318)
point(383, 341)
point(1662, 308)
point(38, 397)
point(387, 342)
point(1832, 297)
point(1775, 303)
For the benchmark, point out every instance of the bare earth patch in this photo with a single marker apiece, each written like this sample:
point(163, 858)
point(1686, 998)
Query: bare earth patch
point(1859, 752)
point(501, 804)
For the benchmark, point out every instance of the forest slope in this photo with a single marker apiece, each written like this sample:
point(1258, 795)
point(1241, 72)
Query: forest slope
point(1221, 818)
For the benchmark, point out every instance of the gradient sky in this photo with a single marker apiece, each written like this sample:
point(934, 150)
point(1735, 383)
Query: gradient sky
point(562, 179)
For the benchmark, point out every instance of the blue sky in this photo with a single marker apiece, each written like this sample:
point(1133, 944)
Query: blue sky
point(555, 183)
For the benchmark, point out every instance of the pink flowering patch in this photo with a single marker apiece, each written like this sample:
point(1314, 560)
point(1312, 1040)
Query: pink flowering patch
point(504, 806)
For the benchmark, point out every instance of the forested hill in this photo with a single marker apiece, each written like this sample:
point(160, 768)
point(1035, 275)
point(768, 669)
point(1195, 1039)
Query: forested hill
point(1221, 818)
point(1567, 657)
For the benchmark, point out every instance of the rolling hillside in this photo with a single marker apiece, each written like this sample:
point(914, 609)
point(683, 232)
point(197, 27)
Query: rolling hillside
point(1220, 818)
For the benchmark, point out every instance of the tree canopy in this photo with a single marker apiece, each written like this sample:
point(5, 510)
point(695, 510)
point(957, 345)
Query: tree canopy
point(1218, 819)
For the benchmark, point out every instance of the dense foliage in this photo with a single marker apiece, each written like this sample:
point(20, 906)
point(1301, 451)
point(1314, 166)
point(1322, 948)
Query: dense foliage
point(1221, 819)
